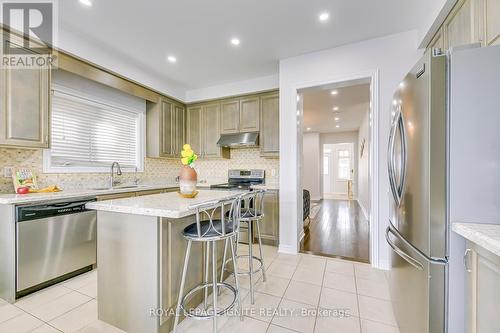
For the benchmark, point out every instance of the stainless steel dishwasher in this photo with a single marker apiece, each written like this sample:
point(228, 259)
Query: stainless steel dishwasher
point(54, 241)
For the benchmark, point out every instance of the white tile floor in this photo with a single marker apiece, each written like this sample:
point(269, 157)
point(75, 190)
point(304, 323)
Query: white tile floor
point(320, 285)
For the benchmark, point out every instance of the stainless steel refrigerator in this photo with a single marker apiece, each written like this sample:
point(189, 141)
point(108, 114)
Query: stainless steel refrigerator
point(443, 166)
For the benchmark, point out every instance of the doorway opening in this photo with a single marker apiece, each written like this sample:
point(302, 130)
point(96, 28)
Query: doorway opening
point(335, 171)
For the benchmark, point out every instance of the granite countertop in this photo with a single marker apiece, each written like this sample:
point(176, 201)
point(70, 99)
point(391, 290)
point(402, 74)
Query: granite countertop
point(267, 186)
point(169, 205)
point(485, 235)
point(10, 199)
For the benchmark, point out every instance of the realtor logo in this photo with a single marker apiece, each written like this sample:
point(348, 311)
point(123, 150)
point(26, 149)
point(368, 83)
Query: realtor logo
point(29, 34)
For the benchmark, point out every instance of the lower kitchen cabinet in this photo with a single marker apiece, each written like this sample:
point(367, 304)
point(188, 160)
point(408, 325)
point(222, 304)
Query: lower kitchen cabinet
point(269, 227)
point(483, 290)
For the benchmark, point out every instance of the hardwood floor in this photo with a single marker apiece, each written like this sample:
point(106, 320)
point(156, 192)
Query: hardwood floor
point(338, 230)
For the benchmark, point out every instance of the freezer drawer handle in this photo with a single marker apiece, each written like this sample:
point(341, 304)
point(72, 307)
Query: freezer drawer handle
point(415, 263)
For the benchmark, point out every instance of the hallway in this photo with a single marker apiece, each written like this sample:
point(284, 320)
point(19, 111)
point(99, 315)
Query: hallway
point(339, 229)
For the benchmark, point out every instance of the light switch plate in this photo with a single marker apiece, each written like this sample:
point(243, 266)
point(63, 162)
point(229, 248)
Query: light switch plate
point(7, 171)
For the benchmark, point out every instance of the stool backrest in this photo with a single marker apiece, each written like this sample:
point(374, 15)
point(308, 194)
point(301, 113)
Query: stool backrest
point(216, 210)
point(254, 203)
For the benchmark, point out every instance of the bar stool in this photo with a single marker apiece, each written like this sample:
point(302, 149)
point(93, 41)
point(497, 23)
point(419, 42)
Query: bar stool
point(252, 214)
point(210, 229)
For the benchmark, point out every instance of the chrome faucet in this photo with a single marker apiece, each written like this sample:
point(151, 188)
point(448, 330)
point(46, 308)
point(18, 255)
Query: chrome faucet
point(112, 182)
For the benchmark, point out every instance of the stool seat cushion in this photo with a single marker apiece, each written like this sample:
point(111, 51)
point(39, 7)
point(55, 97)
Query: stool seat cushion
point(208, 230)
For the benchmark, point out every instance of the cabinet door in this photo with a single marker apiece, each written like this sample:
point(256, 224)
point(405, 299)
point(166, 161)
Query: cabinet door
point(492, 8)
point(180, 128)
point(249, 114)
point(483, 283)
point(24, 113)
point(211, 130)
point(269, 133)
point(230, 117)
point(269, 227)
point(459, 26)
point(166, 133)
point(193, 123)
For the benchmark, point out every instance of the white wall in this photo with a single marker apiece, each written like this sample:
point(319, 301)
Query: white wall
point(234, 88)
point(364, 165)
point(391, 57)
point(311, 171)
point(342, 137)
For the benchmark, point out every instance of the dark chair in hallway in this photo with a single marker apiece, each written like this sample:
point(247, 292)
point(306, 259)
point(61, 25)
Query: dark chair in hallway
point(306, 204)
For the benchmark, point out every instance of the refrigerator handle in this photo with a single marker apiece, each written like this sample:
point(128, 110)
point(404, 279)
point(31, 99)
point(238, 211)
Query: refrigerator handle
point(397, 189)
point(412, 261)
point(390, 157)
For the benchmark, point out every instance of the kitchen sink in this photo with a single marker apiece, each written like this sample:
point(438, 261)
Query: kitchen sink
point(119, 187)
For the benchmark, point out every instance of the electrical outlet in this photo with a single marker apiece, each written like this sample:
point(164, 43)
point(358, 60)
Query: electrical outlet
point(7, 171)
point(273, 172)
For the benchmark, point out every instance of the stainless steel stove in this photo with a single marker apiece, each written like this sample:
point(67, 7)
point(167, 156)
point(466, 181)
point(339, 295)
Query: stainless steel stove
point(242, 179)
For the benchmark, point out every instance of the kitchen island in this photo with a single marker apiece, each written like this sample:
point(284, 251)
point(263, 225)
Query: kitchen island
point(140, 253)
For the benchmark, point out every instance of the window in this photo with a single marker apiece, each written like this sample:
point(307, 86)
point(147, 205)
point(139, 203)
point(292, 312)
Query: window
point(326, 165)
point(88, 135)
point(344, 164)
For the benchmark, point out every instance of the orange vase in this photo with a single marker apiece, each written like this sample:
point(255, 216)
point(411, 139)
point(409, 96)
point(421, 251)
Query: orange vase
point(187, 179)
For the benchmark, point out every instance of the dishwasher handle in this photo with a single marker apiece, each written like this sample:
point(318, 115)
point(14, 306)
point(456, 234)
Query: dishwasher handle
point(28, 213)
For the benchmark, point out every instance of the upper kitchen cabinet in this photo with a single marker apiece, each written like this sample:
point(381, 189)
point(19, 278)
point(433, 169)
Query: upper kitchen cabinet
point(25, 98)
point(269, 125)
point(193, 132)
point(470, 21)
point(230, 116)
point(459, 27)
point(204, 129)
point(166, 123)
point(492, 18)
point(240, 115)
point(249, 114)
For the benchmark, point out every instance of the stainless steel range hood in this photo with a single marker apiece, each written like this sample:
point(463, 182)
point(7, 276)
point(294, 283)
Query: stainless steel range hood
point(239, 140)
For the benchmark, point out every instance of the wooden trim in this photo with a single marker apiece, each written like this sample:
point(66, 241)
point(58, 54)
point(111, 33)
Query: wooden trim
point(221, 99)
point(101, 75)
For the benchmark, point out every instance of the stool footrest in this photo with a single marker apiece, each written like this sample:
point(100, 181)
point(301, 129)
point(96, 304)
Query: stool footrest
point(240, 272)
point(202, 313)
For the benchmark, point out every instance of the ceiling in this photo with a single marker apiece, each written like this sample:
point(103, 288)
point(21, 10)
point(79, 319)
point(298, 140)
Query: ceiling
point(353, 103)
point(198, 32)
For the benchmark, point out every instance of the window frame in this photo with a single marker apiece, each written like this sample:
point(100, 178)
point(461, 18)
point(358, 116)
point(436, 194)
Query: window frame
point(141, 136)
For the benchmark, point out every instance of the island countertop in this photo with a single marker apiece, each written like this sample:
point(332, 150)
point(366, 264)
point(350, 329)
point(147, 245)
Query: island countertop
point(169, 205)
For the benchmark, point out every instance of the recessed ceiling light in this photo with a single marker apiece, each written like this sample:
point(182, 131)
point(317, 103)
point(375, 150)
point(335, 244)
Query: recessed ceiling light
point(337, 126)
point(335, 108)
point(309, 128)
point(334, 92)
point(235, 41)
point(87, 3)
point(324, 16)
point(336, 118)
point(171, 59)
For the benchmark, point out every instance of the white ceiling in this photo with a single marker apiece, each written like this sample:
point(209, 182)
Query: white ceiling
point(197, 32)
point(353, 102)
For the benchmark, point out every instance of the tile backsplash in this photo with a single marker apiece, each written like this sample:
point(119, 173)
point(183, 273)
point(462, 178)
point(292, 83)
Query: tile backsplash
point(157, 170)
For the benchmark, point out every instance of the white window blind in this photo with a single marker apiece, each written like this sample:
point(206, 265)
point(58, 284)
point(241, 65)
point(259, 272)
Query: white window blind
point(90, 135)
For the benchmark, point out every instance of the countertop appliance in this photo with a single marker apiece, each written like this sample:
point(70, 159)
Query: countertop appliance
point(54, 241)
point(443, 165)
point(242, 179)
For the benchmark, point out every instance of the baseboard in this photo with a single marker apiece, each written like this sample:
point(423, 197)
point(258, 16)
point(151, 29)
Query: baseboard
point(365, 213)
point(288, 249)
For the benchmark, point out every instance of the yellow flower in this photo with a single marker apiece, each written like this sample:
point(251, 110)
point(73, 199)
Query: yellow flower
point(186, 153)
point(186, 147)
point(185, 160)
